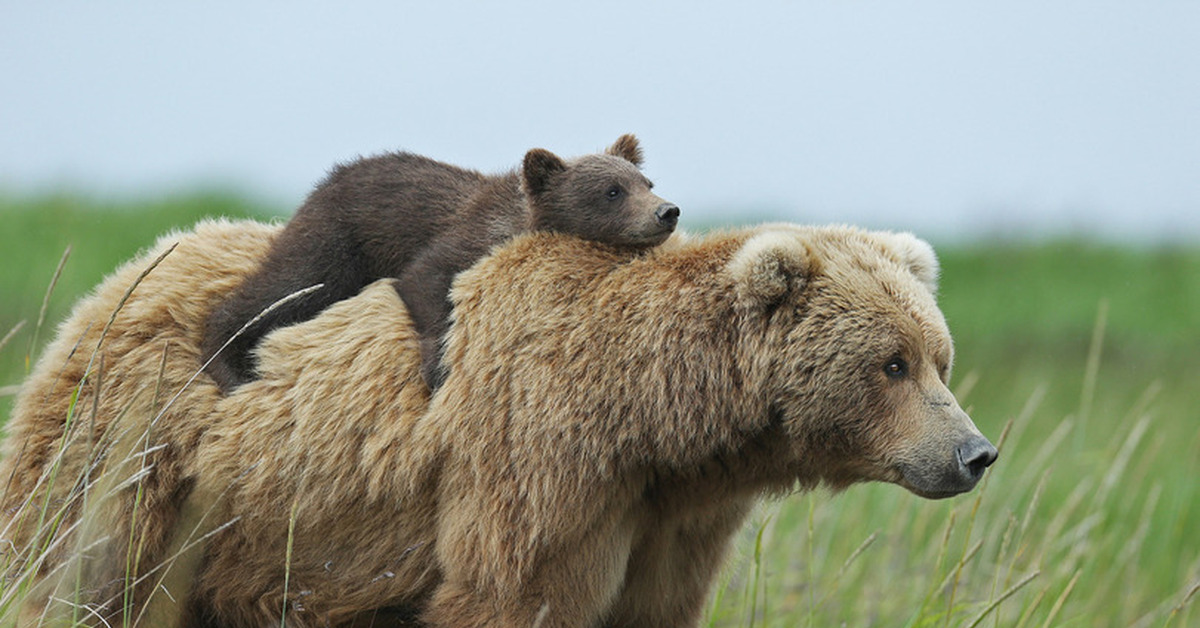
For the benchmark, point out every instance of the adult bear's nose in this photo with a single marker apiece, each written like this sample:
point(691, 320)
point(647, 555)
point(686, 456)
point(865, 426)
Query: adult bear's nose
point(976, 455)
point(667, 214)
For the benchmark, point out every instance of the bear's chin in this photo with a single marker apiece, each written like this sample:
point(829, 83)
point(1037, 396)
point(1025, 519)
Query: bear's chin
point(932, 494)
point(921, 486)
point(644, 239)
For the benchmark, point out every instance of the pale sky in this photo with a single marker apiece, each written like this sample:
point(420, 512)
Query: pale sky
point(945, 118)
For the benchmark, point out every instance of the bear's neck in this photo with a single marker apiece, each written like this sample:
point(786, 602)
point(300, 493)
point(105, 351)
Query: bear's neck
point(749, 468)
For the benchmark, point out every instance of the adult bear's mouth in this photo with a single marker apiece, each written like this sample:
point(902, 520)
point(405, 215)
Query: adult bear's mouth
point(946, 478)
point(930, 494)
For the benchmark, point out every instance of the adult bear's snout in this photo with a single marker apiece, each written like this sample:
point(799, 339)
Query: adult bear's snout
point(974, 456)
point(949, 465)
point(667, 214)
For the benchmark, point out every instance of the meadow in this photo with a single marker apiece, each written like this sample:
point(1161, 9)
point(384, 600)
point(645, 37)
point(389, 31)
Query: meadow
point(1079, 359)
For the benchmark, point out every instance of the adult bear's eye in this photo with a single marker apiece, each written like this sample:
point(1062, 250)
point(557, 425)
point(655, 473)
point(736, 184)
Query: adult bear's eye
point(613, 192)
point(896, 368)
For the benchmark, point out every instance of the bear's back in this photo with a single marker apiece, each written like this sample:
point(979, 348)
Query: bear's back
point(390, 202)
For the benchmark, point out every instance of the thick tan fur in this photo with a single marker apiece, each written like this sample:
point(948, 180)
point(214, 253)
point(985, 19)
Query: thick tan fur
point(608, 423)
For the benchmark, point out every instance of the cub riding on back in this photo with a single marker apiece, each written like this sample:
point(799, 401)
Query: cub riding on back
point(422, 222)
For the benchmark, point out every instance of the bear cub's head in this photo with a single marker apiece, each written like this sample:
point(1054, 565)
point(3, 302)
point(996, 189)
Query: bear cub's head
point(602, 197)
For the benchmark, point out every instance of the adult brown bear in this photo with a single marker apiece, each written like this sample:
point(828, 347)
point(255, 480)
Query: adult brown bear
point(608, 422)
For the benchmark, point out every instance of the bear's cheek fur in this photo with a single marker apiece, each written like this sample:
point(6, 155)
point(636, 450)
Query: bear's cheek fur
point(871, 426)
point(575, 214)
point(839, 420)
point(848, 422)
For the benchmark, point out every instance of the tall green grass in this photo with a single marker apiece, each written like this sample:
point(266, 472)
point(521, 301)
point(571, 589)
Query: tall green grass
point(1079, 358)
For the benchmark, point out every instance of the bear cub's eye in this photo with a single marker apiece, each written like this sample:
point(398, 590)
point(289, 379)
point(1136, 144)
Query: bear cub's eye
point(896, 368)
point(613, 192)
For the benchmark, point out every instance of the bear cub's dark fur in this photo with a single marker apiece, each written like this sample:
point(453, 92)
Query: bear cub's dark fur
point(421, 221)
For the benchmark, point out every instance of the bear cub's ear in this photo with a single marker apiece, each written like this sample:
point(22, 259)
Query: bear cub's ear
point(917, 256)
point(768, 267)
point(539, 168)
point(626, 147)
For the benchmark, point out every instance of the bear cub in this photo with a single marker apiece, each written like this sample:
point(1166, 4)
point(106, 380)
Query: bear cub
point(420, 221)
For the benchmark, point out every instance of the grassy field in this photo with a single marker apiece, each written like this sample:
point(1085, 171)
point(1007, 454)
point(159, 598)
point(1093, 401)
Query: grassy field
point(1081, 359)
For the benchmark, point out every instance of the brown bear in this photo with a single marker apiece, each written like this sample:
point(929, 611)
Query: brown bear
point(422, 221)
point(607, 424)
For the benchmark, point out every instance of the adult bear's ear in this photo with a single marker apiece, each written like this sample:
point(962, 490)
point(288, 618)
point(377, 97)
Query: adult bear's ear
point(539, 168)
point(626, 147)
point(768, 267)
point(916, 255)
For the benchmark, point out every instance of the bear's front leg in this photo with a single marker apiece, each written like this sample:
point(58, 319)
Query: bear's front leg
point(673, 564)
point(572, 584)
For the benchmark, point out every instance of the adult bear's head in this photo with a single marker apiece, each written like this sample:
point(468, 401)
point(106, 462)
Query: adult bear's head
point(860, 357)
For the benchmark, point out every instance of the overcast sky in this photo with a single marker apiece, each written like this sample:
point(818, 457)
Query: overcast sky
point(945, 118)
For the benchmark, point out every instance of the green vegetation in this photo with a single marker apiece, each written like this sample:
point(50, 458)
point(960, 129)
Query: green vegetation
point(1080, 358)
point(35, 233)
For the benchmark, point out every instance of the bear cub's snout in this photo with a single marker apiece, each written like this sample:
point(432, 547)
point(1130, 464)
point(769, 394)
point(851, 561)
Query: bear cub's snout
point(667, 215)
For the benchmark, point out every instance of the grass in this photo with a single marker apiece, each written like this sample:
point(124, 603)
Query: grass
point(1080, 358)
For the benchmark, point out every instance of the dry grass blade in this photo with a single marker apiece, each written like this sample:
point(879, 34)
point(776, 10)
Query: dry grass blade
point(967, 384)
point(1031, 608)
point(754, 583)
point(1003, 596)
point(287, 299)
point(1062, 599)
point(862, 547)
point(968, 554)
point(1028, 410)
point(1187, 598)
point(1091, 370)
point(941, 557)
point(62, 261)
point(951, 579)
point(1117, 468)
point(812, 605)
point(190, 543)
point(31, 570)
point(91, 609)
point(12, 332)
point(1138, 538)
point(1044, 453)
point(271, 308)
point(837, 578)
point(128, 293)
point(70, 355)
point(117, 310)
point(287, 565)
point(45, 304)
point(176, 572)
